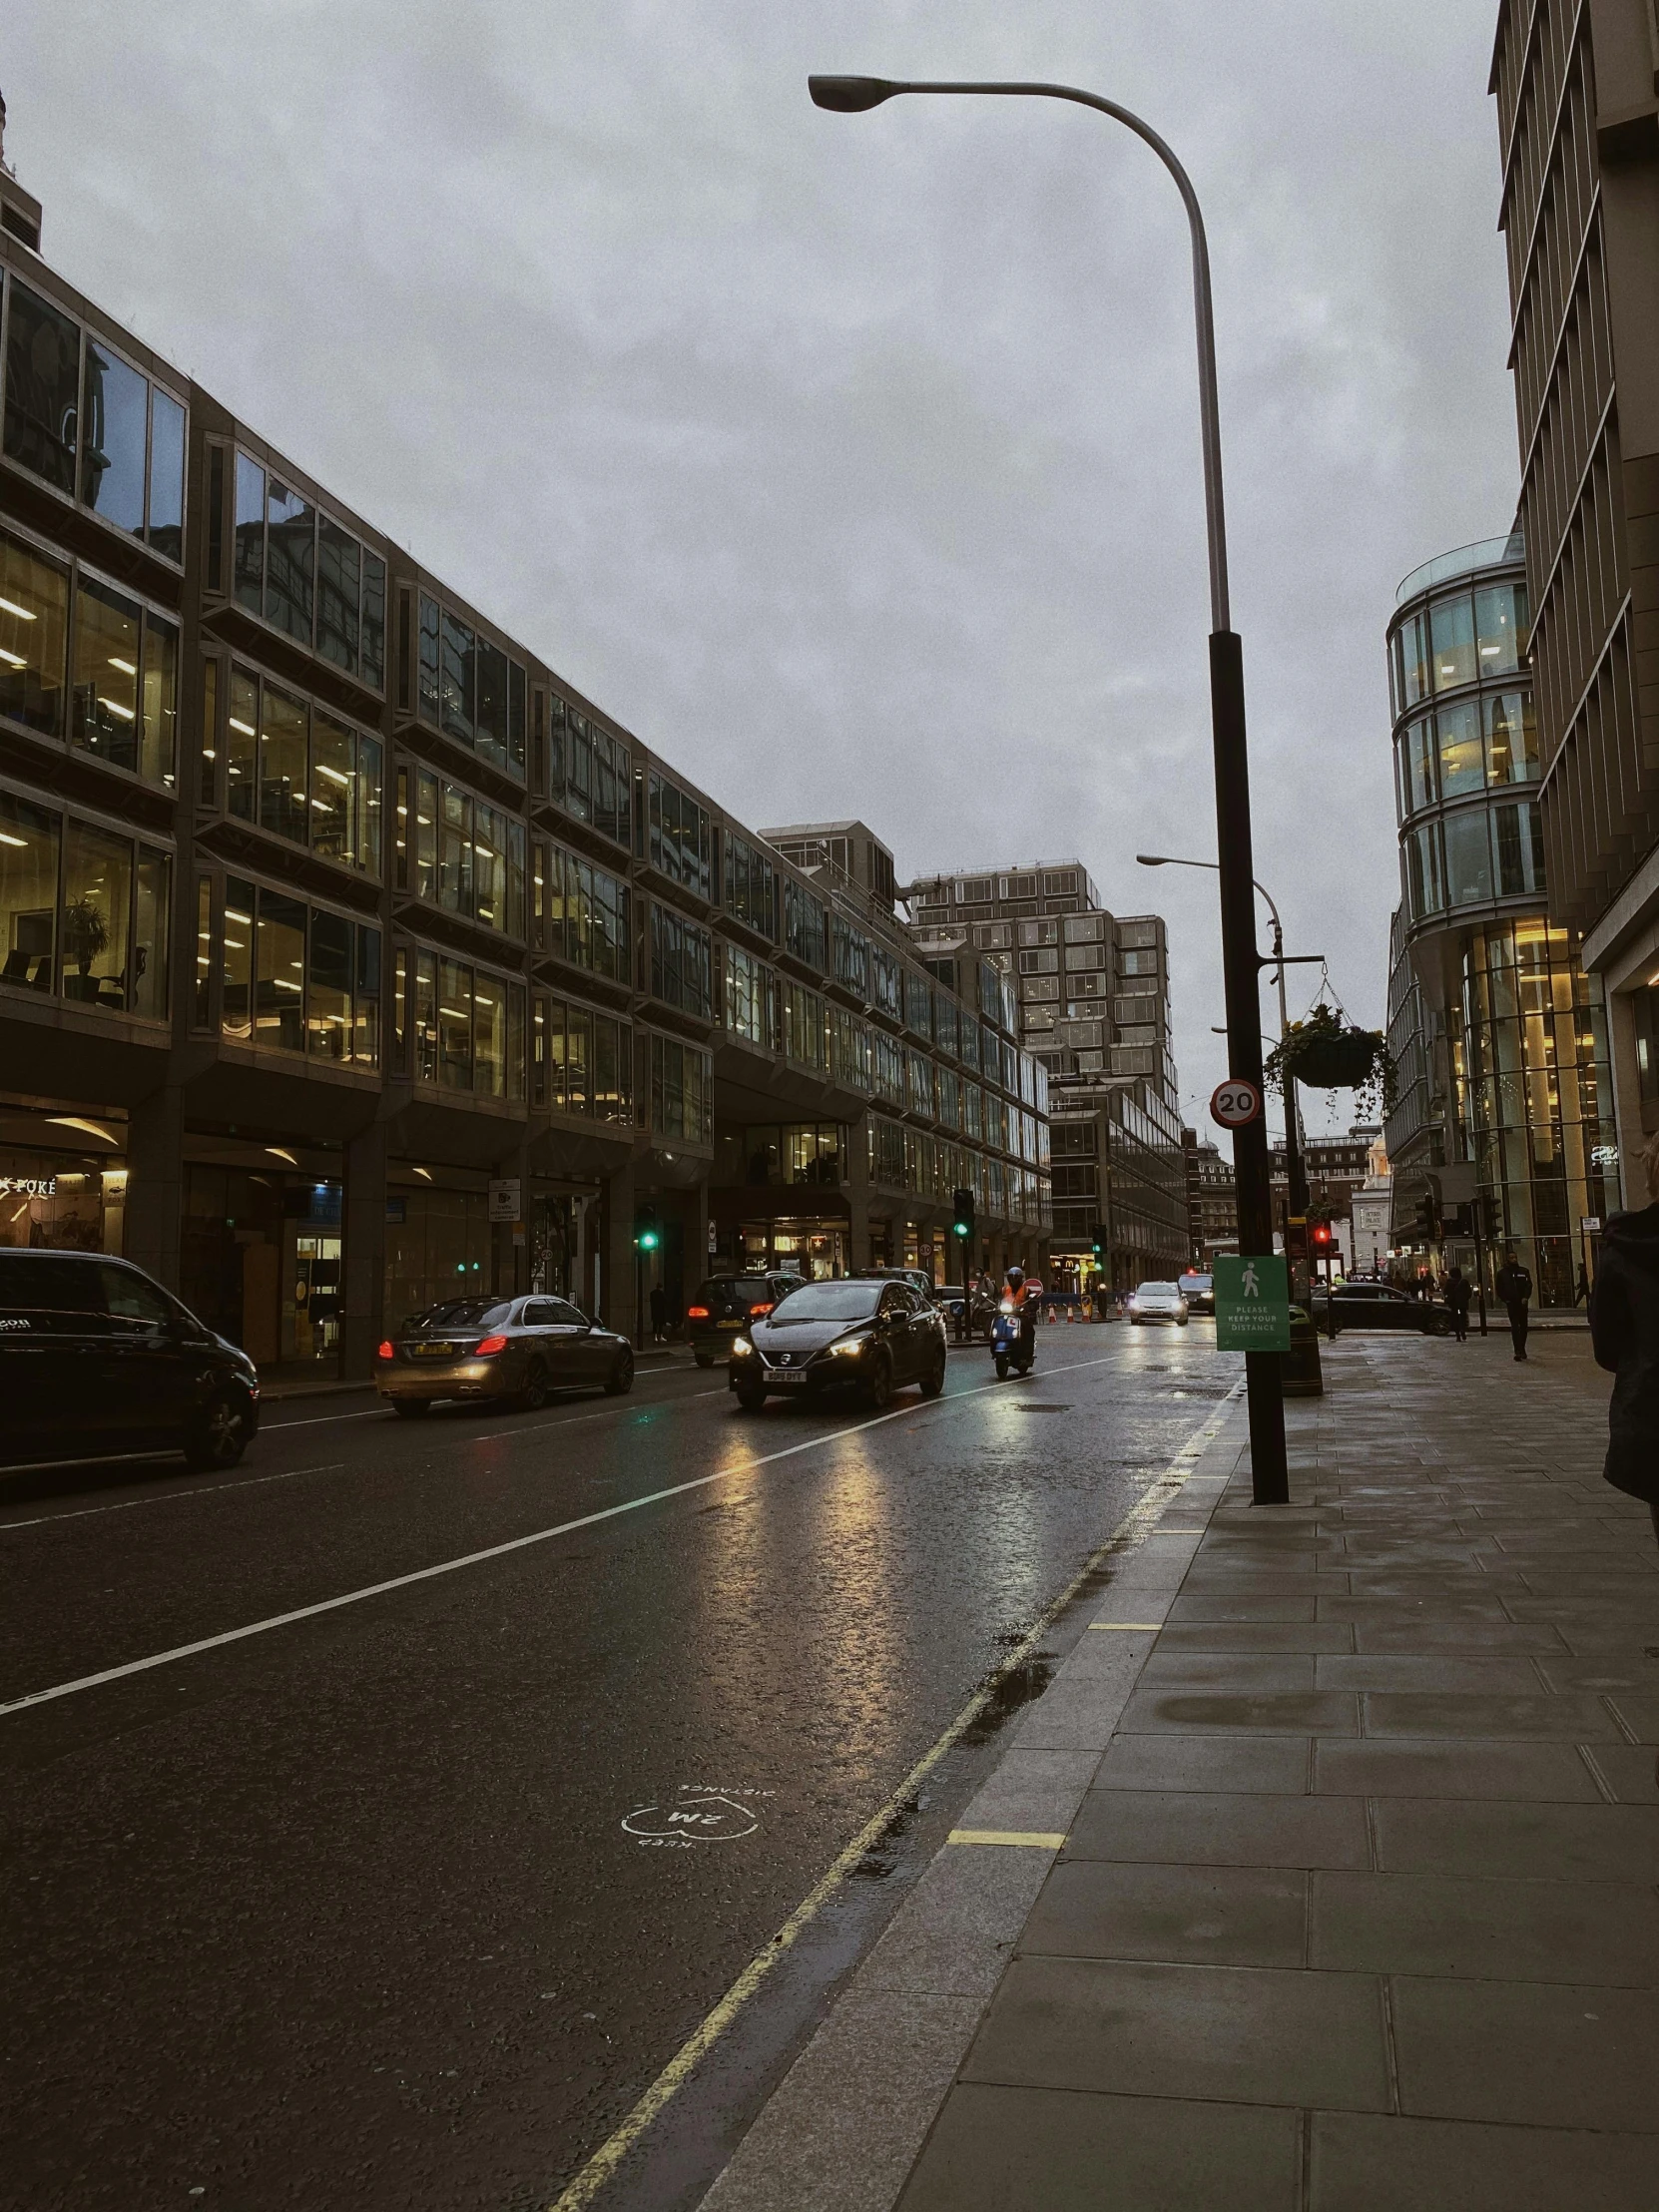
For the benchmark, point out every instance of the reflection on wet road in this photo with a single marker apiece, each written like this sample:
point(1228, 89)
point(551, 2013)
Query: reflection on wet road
point(505, 1745)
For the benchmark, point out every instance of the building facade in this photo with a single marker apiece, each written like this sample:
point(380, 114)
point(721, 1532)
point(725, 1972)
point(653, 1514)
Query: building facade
point(1336, 1167)
point(1091, 996)
point(1502, 1084)
point(348, 956)
point(1218, 1202)
point(1577, 92)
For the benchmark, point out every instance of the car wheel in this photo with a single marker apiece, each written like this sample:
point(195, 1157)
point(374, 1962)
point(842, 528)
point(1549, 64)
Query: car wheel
point(621, 1378)
point(704, 1358)
point(878, 1389)
point(1181, 1321)
point(411, 1408)
point(750, 1398)
point(218, 1436)
point(932, 1382)
point(533, 1397)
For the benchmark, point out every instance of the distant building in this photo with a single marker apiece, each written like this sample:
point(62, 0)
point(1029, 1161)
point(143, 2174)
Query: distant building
point(1371, 1213)
point(1336, 1167)
point(1218, 1202)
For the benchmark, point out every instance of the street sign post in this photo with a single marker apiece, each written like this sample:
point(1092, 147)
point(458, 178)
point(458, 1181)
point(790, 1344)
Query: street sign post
point(1252, 1304)
point(507, 1199)
point(1236, 1103)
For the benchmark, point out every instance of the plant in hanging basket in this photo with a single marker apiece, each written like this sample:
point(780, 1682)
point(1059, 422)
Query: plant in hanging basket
point(1329, 1054)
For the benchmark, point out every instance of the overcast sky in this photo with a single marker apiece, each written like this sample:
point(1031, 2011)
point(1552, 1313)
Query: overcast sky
point(852, 461)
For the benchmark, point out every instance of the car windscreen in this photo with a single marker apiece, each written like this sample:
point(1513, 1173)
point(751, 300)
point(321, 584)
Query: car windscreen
point(1197, 1282)
point(1159, 1290)
point(749, 1287)
point(463, 1313)
point(830, 1302)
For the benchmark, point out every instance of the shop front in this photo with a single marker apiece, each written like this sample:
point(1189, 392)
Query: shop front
point(63, 1182)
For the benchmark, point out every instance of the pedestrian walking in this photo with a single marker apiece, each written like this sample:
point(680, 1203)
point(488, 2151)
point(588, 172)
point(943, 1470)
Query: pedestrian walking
point(659, 1313)
point(1514, 1290)
point(1458, 1292)
point(1624, 1330)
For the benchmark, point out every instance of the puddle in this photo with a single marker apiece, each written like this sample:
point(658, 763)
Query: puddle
point(882, 1860)
point(1009, 1695)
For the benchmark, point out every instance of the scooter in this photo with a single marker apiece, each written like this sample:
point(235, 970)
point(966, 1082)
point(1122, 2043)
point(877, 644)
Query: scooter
point(1008, 1347)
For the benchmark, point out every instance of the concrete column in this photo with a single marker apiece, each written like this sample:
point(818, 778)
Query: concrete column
point(510, 1261)
point(618, 1293)
point(858, 1197)
point(154, 1212)
point(696, 1235)
point(363, 1239)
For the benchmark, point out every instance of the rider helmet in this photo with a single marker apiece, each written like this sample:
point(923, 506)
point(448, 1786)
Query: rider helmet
point(1016, 1276)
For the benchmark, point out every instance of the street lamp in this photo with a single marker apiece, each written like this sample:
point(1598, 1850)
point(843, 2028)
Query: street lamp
point(1269, 1475)
point(1295, 1177)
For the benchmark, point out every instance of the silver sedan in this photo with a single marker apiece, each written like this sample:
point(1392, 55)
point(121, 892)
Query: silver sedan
point(515, 1349)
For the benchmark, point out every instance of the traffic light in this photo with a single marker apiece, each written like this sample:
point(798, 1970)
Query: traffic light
point(1321, 1234)
point(1097, 1240)
point(961, 1215)
point(648, 1232)
point(1429, 1221)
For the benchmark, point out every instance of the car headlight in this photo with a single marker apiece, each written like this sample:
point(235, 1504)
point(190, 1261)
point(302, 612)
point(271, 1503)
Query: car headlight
point(850, 1347)
point(741, 1347)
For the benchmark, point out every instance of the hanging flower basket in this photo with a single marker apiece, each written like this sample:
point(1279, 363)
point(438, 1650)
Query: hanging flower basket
point(1327, 1054)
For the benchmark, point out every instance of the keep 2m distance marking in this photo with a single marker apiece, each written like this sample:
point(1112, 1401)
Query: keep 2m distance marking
point(1235, 1103)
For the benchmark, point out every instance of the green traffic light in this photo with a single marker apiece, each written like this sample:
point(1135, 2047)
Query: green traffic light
point(648, 1240)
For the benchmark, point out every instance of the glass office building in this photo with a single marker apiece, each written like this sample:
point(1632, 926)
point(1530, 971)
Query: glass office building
point(1506, 1060)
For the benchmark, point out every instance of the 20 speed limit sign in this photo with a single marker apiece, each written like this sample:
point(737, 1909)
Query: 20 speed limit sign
point(1234, 1102)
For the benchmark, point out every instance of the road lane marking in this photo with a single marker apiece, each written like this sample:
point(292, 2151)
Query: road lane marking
point(170, 1497)
point(1017, 1838)
point(377, 1412)
point(610, 2154)
point(469, 1559)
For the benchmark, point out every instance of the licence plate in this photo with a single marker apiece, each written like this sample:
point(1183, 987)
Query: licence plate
point(786, 1375)
point(434, 1352)
point(731, 1325)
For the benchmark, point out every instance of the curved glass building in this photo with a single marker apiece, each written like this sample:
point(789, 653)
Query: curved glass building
point(1496, 1031)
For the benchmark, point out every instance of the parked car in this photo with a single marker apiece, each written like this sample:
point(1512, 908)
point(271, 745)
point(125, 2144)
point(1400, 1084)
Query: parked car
point(515, 1350)
point(917, 1278)
point(860, 1333)
point(1158, 1301)
point(726, 1304)
point(1199, 1291)
point(95, 1357)
point(1376, 1306)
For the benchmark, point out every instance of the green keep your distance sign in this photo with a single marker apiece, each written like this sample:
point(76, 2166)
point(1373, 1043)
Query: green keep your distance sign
point(1253, 1304)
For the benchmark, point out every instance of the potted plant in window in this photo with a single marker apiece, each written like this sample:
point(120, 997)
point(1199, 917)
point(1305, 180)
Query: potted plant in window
point(1328, 1053)
point(85, 935)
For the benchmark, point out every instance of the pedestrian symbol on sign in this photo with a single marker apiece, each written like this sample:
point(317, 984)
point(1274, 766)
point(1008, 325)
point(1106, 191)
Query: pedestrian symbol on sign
point(1248, 1281)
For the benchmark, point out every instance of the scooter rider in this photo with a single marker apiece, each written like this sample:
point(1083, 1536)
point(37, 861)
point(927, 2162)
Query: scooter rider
point(1024, 1299)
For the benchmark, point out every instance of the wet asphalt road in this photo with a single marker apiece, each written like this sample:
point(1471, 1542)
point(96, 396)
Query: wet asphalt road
point(345, 1911)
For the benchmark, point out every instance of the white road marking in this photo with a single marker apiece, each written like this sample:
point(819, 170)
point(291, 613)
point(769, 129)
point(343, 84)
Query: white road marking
point(376, 1412)
point(170, 1497)
point(474, 1558)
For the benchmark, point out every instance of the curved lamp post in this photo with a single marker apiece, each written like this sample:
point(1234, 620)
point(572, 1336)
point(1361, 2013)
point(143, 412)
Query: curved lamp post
point(1241, 967)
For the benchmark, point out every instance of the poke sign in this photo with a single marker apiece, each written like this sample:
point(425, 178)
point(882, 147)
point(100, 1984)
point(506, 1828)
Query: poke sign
point(692, 1817)
point(1235, 1103)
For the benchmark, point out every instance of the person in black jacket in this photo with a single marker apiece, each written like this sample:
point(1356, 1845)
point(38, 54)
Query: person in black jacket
point(1624, 1327)
point(1514, 1290)
point(1458, 1292)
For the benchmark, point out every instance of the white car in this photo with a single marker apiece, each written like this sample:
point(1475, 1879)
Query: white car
point(1158, 1301)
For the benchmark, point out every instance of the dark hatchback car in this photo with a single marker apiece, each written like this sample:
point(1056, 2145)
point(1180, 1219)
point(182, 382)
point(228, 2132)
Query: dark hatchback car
point(726, 1304)
point(872, 1336)
point(97, 1358)
point(515, 1350)
point(1376, 1306)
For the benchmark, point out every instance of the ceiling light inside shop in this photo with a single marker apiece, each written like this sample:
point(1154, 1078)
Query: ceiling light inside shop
point(11, 607)
point(277, 1153)
point(114, 707)
point(6, 837)
point(73, 1121)
point(125, 667)
point(247, 728)
point(12, 660)
point(426, 1174)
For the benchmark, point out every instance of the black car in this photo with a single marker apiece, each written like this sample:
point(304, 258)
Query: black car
point(1376, 1306)
point(513, 1351)
point(870, 1336)
point(726, 1304)
point(97, 1358)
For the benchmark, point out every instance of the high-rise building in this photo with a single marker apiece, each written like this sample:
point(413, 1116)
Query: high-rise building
point(1496, 1030)
point(1092, 995)
point(348, 955)
point(1578, 91)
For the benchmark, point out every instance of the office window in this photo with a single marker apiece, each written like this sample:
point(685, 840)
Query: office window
point(43, 370)
point(887, 979)
point(329, 988)
point(236, 1007)
point(750, 877)
point(682, 1090)
point(1414, 647)
point(454, 1025)
point(167, 474)
point(1511, 738)
point(429, 686)
point(944, 1023)
point(851, 1054)
point(290, 560)
point(679, 841)
point(339, 594)
point(202, 997)
point(921, 1083)
point(124, 692)
point(249, 534)
point(34, 630)
point(805, 925)
point(1469, 857)
point(115, 417)
point(283, 775)
point(365, 1049)
point(1519, 837)
point(748, 997)
point(888, 1066)
point(918, 1004)
point(490, 717)
point(587, 916)
point(803, 1029)
point(1500, 628)
point(30, 837)
point(278, 971)
point(516, 690)
point(1452, 648)
point(682, 964)
point(1085, 928)
point(1462, 768)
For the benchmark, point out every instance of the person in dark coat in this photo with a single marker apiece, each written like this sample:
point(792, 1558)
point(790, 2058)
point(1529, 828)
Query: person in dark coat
point(1514, 1290)
point(659, 1313)
point(1457, 1302)
point(1624, 1329)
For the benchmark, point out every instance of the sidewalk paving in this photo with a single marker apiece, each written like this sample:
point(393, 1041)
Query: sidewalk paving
point(1357, 1907)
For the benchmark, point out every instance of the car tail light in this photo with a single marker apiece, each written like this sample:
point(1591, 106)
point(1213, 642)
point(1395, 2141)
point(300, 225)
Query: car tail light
point(388, 1350)
point(762, 1308)
point(489, 1348)
point(697, 1312)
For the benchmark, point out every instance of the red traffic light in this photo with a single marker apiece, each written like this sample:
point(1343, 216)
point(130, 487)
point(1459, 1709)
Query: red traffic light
point(1322, 1233)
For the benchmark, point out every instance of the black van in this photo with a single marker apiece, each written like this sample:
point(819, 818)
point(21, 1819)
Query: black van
point(97, 1358)
point(725, 1305)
